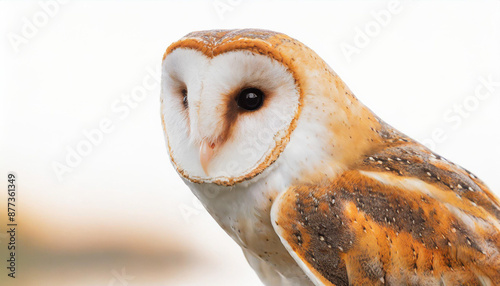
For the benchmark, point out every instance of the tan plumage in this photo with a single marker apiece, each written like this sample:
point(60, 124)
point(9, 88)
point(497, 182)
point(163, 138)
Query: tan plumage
point(396, 217)
point(336, 196)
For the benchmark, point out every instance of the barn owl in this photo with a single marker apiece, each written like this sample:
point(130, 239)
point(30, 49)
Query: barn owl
point(312, 185)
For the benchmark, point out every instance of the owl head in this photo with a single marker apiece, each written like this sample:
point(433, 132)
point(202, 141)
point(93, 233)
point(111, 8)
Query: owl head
point(232, 102)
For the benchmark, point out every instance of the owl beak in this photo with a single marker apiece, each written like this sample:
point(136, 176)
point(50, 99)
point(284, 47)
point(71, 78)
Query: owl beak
point(206, 154)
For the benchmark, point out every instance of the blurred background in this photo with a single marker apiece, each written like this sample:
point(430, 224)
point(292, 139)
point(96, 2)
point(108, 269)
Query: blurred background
point(98, 202)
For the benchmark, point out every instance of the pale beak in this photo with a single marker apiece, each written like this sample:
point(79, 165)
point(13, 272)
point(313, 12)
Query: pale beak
point(206, 154)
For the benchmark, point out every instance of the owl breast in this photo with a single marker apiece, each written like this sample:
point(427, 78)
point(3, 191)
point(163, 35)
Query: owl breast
point(244, 213)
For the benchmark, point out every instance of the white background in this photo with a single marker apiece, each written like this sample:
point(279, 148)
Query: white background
point(123, 206)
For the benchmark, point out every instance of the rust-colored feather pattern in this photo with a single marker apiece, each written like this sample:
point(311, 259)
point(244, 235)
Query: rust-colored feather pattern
point(401, 216)
point(338, 197)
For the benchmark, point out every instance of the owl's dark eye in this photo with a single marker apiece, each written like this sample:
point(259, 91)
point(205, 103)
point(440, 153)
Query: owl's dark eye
point(184, 97)
point(250, 98)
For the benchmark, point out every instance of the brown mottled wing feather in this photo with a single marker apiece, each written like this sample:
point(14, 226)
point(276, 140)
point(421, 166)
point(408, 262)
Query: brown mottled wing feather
point(403, 216)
